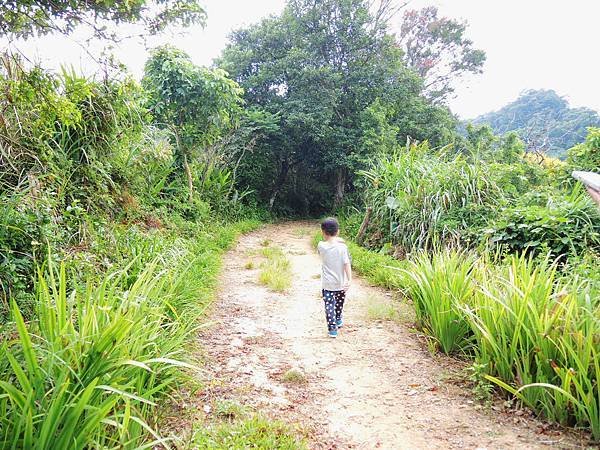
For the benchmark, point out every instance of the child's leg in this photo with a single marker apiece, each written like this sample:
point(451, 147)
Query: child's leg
point(329, 299)
point(339, 305)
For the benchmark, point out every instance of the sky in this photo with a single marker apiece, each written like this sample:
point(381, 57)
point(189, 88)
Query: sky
point(530, 44)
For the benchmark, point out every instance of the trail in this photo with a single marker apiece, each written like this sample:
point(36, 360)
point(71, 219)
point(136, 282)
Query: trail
point(375, 386)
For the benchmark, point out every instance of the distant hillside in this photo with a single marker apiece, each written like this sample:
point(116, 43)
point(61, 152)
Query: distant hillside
point(544, 121)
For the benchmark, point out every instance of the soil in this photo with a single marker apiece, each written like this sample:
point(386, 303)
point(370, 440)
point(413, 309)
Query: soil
point(377, 386)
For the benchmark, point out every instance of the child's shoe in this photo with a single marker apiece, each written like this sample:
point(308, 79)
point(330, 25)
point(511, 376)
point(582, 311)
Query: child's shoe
point(340, 323)
point(333, 334)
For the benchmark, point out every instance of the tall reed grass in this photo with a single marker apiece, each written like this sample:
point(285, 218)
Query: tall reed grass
point(537, 335)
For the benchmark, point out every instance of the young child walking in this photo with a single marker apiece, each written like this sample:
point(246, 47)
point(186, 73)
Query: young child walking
point(336, 274)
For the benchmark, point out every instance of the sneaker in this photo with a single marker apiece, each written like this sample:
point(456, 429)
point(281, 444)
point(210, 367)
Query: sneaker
point(333, 334)
point(340, 323)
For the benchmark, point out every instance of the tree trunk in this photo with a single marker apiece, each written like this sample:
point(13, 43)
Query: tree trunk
point(281, 179)
point(340, 187)
point(190, 180)
point(363, 227)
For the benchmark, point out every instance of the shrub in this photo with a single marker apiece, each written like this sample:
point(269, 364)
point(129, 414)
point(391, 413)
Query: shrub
point(563, 225)
point(415, 193)
point(586, 156)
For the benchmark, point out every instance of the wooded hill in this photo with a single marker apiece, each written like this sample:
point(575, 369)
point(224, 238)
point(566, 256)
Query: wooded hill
point(544, 121)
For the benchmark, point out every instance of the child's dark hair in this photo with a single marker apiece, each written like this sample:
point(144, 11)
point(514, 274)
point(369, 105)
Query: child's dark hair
point(330, 226)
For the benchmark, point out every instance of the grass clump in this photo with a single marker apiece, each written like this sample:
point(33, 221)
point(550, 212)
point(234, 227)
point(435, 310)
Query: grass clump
point(253, 432)
point(230, 410)
point(440, 285)
point(276, 270)
point(530, 332)
point(294, 376)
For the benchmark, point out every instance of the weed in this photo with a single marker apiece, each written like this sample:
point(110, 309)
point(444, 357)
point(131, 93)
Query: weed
point(294, 376)
point(276, 271)
point(230, 410)
point(255, 432)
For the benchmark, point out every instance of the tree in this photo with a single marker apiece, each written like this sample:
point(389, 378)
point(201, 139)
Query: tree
point(24, 19)
point(196, 103)
point(544, 121)
point(437, 49)
point(317, 67)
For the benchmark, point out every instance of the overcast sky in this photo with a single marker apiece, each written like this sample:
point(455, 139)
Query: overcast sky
point(530, 44)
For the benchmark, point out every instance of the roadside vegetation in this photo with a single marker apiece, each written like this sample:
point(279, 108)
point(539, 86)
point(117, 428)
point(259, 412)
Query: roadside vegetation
point(499, 257)
point(119, 196)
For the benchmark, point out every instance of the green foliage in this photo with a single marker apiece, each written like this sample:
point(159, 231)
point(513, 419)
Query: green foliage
point(21, 238)
point(422, 198)
point(39, 17)
point(199, 103)
point(438, 50)
point(439, 286)
point(548, 222)
point(254, 432)
point(67, 128)
point(315, 69)
point(538, 334)
point(586, 156)
point(275, 272)
point(530, 330)
point(112, 347)
point(544, 121)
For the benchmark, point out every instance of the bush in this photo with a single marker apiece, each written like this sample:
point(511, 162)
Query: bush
point(421, 199)
point(586, 156)
point(563, 225)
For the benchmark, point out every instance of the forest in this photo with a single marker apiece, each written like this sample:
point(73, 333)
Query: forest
point(119, 198)
point(544, 121)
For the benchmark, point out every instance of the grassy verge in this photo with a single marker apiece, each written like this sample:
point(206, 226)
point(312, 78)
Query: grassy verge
point(99, 356)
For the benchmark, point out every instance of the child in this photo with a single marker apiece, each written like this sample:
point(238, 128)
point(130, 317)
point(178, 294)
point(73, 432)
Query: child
point(336, 274)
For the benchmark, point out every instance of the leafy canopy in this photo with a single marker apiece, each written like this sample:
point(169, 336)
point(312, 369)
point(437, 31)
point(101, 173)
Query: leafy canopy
point(28, 18)
point(318, 66)
point(197, 103)
point(438, 50)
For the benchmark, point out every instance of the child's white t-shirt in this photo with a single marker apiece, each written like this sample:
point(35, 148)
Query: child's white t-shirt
point(334, 255)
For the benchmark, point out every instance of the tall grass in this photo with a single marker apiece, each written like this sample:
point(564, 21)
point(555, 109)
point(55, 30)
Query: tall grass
point(421, 199)
point(537, 335)
point(440, 285)
point(89, 371)
point(86, 372)
point(540, 338)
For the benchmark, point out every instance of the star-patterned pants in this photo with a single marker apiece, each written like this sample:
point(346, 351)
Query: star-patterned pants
point(334, 303)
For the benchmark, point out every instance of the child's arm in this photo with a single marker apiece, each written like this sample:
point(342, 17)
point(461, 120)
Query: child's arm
point(348, 272)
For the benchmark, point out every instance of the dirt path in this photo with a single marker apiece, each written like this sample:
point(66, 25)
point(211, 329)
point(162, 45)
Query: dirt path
point(375, 386)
